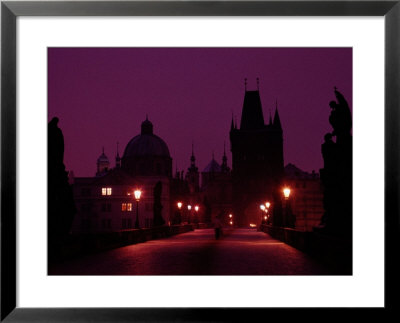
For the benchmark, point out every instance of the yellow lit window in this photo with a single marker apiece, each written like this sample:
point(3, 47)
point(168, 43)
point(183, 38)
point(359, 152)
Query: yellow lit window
point(106, 191)
point(123, 207)
point(129, 206)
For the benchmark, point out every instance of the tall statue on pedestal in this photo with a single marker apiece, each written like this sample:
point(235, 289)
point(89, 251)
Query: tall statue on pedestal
point(61, 206)
point(336, 176)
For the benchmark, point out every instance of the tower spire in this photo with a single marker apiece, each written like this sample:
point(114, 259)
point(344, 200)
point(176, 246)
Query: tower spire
point(192, 159)
point(258, 84)
point(245, 84)
point(117, 157)
point(277, 121)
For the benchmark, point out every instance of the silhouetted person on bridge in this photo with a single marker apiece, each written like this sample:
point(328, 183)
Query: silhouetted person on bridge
point(217, 227)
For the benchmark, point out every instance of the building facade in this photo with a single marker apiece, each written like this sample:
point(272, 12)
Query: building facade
point(306, 197)
point(106, 202)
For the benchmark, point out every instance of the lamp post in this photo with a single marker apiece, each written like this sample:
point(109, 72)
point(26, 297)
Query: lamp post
point(196, 208)
point(286, 194)
point(179, 204)
point(137, 194)
point(262, 208)
point(189, 210)
point(230, 219)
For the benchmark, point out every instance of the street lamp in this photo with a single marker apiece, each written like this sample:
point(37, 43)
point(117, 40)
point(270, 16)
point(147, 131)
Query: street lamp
point(262, 207)
point(196, 208)
point(287, 221)
point(267, 205)
point(286, 192)
point(189, 209)
point(137, 194)
point(179, 204)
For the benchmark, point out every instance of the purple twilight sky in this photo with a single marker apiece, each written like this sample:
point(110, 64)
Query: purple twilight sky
point(102, 95)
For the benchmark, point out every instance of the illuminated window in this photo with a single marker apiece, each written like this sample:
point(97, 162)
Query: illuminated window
point(126, 207)
point(106, 191)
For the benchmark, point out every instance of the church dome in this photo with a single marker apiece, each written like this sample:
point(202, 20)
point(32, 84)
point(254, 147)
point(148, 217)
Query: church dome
point(146, 144)
point(212, 167)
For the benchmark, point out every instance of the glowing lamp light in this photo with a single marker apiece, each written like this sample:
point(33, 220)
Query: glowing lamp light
point(265, 217)
point(252, 225)
point(179, 205)
point(137, 193)
point(189, 207)
point(262, 207)
point(230, 215)
point(267, 205)
point(231, 222)
point(286, 192)
point(196, 208)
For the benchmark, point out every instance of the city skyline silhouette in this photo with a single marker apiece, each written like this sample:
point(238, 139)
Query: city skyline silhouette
point(102, 95)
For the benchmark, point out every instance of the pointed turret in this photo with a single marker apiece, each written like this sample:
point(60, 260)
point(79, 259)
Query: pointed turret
point(232, 124)
point(224, 166)
point(117, 158)
point(192, 175)
point(193, 161)
point(277, 121)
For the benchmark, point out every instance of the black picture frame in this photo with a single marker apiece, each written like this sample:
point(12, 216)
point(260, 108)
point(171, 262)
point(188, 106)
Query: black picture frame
point(10, 10)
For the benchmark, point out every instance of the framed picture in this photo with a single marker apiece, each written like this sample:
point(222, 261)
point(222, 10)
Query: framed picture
point(48, 46)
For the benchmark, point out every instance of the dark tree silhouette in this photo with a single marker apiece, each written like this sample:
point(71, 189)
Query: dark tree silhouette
point(158, 219)
point(61, 206)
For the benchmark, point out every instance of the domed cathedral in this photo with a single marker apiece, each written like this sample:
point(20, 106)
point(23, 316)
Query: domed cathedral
point(146, 158)
point(257, 159)
point(147, 154)
point(107, 201)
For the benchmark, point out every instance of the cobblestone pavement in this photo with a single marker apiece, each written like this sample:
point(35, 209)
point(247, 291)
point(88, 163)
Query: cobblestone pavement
point(238, 252)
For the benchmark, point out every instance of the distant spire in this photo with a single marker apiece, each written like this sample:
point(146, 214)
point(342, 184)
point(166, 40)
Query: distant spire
point(258, 84)
point(245, 84)
point(103, 150)
point(193, 167)
point(117, 158)
point(232, 124)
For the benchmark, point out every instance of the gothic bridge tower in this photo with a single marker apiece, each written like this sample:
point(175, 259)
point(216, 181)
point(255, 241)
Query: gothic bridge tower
point(257, 159)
